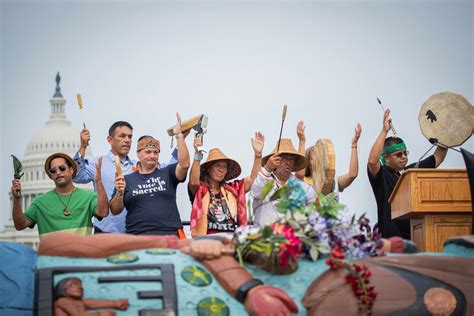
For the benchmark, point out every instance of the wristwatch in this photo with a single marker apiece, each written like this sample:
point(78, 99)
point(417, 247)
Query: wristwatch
point(245, 288)
point(198, 156)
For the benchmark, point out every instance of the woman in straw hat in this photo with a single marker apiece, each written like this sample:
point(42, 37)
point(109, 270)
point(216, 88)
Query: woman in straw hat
point(149, 194)
point(218, 204)
point(278, 167)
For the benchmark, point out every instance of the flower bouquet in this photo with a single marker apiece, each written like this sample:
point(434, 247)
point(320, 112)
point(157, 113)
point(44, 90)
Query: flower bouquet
point(313, 230)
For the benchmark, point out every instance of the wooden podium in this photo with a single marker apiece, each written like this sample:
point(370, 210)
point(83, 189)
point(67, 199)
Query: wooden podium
point(438, 204)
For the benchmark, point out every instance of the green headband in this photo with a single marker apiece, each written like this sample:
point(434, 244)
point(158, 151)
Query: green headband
point(391, 149)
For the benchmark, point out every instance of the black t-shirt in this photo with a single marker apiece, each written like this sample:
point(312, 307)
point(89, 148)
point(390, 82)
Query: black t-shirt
point(150, 200)
point(382, 185)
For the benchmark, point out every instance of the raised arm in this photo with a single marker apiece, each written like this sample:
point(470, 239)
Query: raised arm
point(19, 220)
point(440, 154)
point(183, 153)
point(301, 147)
point(257, 144)
point(116, 204)
point(195, 172)
point(377, 147)
point(85, 168)
point(102, 199)
point(345, 180)
point(85, 138)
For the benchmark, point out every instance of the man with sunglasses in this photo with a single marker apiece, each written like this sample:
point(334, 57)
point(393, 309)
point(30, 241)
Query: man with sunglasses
point(120, 140)
point(65, 208)
point(388, 157)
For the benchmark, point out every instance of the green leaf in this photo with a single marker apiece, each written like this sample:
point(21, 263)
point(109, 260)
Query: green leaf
point(283, 205)
point(322, 199)
point(239, 256)
point(267, 232)
point(280, 193)
point(265, 190)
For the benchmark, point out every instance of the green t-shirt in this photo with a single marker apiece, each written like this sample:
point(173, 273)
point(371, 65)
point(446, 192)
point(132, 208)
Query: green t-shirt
point(48, 212)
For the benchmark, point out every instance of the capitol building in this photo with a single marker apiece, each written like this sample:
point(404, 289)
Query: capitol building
point(57, 135)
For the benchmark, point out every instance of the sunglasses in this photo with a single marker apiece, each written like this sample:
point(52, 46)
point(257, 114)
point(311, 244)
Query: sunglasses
point(400, 154)
point(62, 168)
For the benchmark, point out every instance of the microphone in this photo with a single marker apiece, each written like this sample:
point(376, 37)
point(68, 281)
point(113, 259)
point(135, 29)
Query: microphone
point(434, 144)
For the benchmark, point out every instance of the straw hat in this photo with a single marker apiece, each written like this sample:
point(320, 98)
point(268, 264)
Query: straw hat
point(47, 164)
point(286, 147)
point(215, 154)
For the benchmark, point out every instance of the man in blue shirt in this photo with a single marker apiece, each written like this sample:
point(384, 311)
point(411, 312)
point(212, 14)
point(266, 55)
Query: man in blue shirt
point(120, 140)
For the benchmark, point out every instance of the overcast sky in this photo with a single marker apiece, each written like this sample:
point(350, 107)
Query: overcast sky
point(239, 63)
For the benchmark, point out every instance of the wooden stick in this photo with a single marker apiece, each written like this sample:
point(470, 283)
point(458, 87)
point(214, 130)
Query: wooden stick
point(283, 116)
point(117, 166)
point(79, 102)
point(391, 125)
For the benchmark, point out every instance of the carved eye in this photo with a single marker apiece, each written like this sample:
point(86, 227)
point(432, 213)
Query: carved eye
point(431, 116)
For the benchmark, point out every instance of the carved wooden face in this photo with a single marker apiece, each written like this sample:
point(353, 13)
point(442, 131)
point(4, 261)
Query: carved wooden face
point(447, 119)
point(74, 288)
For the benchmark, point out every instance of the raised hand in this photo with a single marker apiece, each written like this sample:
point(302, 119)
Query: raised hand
point(197, 143)
point(120, 185)
point(269, 300)
point(16, 188)
point(98, 172)
point(300, 131)
point(257, 143)
point(273, 162)
point(85, 138)
point(177, 128)
point(357, 132)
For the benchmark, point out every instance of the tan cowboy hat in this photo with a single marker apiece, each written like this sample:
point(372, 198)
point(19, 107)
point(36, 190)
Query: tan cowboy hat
point(286, 147)
point(60, 155)
point(215, 154)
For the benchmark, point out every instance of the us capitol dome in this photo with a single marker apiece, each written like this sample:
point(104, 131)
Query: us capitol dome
point(57, 135)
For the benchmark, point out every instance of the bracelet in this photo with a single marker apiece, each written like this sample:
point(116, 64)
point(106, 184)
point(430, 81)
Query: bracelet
point(258, 156)
point(245, 288)
point(198, 156)
point(354, 146)
point(179, 134)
